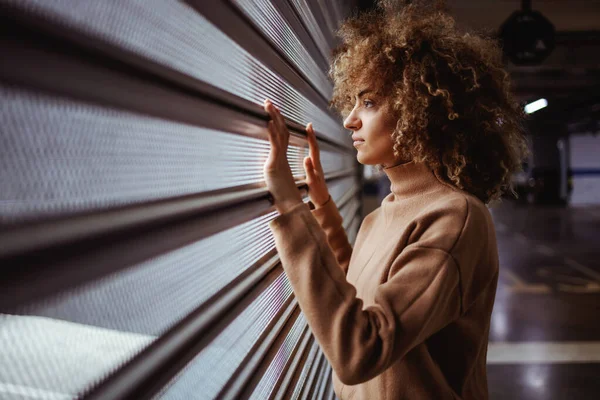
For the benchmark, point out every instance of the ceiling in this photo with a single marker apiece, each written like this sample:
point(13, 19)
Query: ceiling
point(570, 76)
point(566, 15)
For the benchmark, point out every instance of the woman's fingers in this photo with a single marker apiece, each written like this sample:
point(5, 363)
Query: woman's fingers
point(309, 168)
point(274, 153)
point(279, 123)
point(267, 108)
point(279, 118)
point(284, 131)
point(275, 115)
point(317, 189)
point(273, 135)
point(313, 146)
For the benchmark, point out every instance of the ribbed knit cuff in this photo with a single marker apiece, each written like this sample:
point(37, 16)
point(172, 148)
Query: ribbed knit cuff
point(286, 217)
point(328, 214)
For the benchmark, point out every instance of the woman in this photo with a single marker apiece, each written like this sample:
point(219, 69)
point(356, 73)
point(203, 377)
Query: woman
point(406, 313)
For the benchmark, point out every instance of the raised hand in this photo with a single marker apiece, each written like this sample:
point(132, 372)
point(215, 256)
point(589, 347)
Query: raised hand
point(315, 178)
point(277, 172)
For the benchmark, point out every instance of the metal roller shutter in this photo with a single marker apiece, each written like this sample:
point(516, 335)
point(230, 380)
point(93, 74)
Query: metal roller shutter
point(135, 255)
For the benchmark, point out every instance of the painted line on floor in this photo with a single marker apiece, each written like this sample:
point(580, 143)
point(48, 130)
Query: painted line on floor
point(512, 276)
point(520, 286)
point(538, 288)
point(590, 287)
point(543, 352)
point(545, 250)
point(583, 269)
point(500, 227)
point(519, 237)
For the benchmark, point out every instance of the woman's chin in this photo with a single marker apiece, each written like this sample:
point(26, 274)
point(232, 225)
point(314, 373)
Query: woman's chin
point(364, 159)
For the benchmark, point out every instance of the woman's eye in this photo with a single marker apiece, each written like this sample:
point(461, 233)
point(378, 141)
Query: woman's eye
point(368, 103)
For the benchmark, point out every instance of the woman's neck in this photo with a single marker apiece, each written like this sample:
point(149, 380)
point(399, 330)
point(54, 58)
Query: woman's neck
point(394, 164)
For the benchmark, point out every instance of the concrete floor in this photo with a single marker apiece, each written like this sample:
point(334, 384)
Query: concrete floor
point(545, 331)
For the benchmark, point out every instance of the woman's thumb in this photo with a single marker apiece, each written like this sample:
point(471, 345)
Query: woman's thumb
point(308, 166)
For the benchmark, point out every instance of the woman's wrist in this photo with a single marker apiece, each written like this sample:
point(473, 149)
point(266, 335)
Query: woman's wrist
point(319, 205)
point(286, 205)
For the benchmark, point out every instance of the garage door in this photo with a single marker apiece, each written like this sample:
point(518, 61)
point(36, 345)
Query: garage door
point(135, 255)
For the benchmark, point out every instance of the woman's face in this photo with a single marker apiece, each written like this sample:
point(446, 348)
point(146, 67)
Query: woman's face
point(372, 127)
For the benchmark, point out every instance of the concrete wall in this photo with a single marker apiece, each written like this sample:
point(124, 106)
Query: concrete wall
point(585, 164)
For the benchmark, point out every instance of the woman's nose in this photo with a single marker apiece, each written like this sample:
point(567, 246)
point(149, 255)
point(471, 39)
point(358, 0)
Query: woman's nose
point(352, 122)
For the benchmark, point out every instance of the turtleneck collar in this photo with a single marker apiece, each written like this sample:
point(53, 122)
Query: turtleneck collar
point(411, 178)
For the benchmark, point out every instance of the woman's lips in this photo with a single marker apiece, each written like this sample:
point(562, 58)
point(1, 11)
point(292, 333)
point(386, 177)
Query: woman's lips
point(358, 142)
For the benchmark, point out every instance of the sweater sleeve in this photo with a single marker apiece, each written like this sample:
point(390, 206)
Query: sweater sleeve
point(421, 297)
point(330, 220)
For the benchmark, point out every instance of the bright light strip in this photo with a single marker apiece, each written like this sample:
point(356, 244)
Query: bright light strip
point(536, 105)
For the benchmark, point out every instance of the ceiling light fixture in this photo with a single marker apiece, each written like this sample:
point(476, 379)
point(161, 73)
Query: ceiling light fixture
point(536, 105)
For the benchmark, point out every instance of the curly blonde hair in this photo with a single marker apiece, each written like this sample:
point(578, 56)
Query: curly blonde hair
point(448, 90)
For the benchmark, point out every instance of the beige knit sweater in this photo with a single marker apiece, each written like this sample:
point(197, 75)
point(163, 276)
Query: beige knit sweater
point(406, 314)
